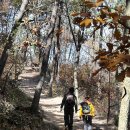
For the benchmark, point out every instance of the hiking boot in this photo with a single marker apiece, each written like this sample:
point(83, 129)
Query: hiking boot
point(66, 128)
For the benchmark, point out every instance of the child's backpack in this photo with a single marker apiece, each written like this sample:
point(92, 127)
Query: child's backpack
point(70, 101)
point(85, 108)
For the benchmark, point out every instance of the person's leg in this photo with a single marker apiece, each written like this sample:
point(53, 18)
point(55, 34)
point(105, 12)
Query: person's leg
point(89, 123)
point(66, 118)
point(89, 127)
point(85, 126)
point(71, 120)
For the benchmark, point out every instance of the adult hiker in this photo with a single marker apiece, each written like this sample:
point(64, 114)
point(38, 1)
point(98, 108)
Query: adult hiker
point(87, 112)
point(69, 101)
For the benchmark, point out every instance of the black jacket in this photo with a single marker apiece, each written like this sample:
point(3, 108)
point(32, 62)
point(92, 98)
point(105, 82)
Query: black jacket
point(73, 105)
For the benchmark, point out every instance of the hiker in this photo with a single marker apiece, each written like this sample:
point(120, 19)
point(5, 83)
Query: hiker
point(69, 101)
point(87, 112)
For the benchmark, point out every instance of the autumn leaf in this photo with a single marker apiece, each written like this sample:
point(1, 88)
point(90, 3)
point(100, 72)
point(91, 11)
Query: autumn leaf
point(26, 43)
point(90, 4)
point(100, 20)
point(103, 57)
point(114, 61)
point(120, 77)
point(74, 14)
point(105, 11)
point(85, 14)
point(77, 20)
point(95, 22)
point(86, 22)
point(112, 69)
point(125, 17)
point(128, 71)
point(99, 2)
point(127, 59)
point(96, 72)
point(115, 16)
point(96, 58)
point(59, 31)
point(103, 63)
point(117, 34)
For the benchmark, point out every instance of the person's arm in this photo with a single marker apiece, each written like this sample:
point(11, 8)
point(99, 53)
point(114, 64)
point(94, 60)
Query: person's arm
point(76, 105)
point(63, 102)
point(92, 110)
point(80, 112)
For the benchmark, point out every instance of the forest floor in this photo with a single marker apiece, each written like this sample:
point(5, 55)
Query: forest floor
point(51, 106)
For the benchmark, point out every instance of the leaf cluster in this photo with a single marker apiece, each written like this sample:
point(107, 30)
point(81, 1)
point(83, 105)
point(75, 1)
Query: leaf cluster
point(116, 55)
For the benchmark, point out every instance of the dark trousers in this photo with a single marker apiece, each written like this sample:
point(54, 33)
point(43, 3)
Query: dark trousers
point(87, 119)
point(68, 118)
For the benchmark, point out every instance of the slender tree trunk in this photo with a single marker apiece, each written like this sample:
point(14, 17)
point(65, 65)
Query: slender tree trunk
point(76, 74)
point(50, 84)
point(36, 99)
point(55, 63)
point(124, 106)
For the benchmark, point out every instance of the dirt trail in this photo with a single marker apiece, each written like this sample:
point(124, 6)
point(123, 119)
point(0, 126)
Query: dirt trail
point(51, 106)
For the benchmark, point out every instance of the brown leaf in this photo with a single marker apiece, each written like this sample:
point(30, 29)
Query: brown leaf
point(120, 77)
point(85, 14)
point(99, 2)
point(96, 58)
point(117, 34)
point(127, 59)
point(86, 22)
point(125, 17)
point(103, 63)
point(77, 20)
point(115, 16)
point(128, 71)
point(95, 22)
point(59, 31)
point(112, 69)
point(114, 61)
point(100, 20)
point(96, 72)
point(105, 11)
point(103, 57)
point(74, 14)
point(90, 4)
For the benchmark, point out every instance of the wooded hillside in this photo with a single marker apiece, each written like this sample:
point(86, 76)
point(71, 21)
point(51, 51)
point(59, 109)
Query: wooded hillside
point(79, 43)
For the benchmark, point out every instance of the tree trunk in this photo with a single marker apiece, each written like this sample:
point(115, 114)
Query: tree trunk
point(36, 99)
point(124, 106)
point(55, 63)
point(50, 84)
point(76, 74)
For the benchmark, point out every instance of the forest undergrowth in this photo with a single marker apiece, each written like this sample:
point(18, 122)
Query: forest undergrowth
point(15, 112)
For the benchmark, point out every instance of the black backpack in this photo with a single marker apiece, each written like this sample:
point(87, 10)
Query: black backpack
point(70, 100)
point(85, 108)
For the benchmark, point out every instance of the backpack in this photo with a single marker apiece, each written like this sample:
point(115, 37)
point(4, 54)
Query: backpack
point(70, 101)
point(85, 108)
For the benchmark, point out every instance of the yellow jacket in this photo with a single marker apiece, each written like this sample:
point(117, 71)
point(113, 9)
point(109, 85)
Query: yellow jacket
point(92, 110)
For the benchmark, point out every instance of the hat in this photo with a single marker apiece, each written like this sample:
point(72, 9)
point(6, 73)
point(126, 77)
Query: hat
point(71, 89)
